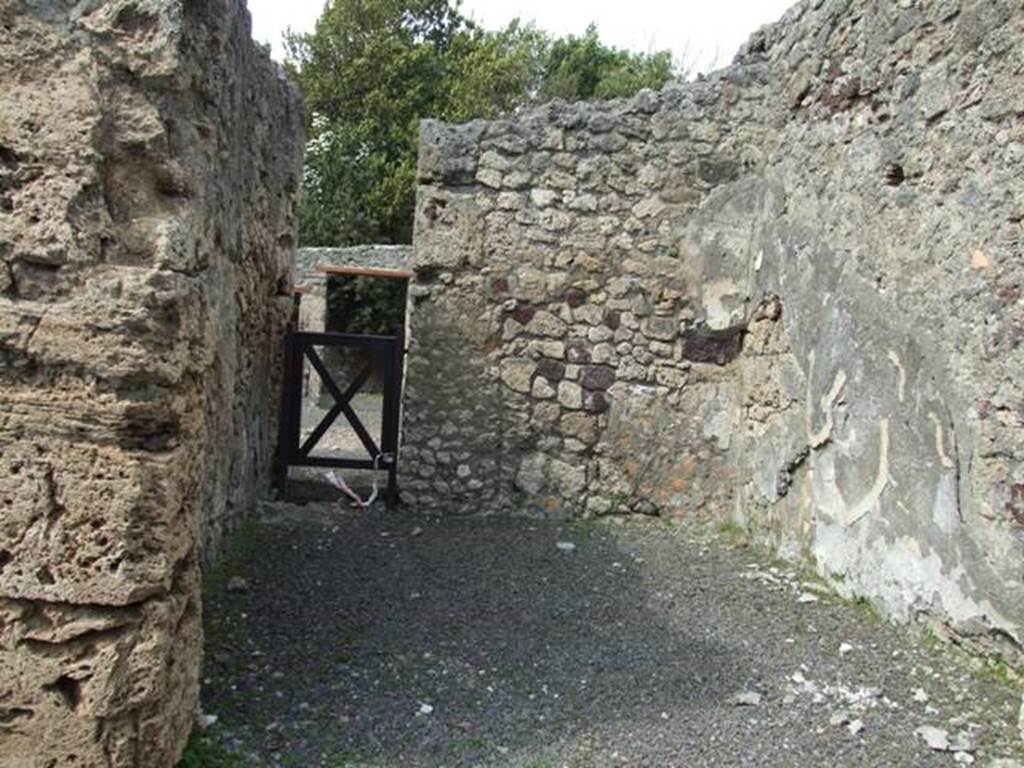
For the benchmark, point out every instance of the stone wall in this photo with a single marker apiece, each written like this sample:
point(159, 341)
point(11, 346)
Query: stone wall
point(149, 158)
point(789, 295)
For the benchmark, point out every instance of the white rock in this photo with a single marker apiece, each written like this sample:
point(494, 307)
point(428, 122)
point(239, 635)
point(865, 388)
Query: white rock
point(206, 721)
point(965, 741)
point(565, 546)
point(920, 695)
point(746, 699)
point(845, 648)
point(807, 597)
point(964, 758)
point(855, 727)
point(935, 738)
point(839, 718)
point(425, 709)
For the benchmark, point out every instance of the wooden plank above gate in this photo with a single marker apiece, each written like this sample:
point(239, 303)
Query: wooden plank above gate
point(402, 274)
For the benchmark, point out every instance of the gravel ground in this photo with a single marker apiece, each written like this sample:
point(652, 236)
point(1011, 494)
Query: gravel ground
point(338, 638)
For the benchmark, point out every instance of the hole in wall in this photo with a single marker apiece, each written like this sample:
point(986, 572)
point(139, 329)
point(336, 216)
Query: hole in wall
point(426, 275)
point(69, 690)
point(894, 174)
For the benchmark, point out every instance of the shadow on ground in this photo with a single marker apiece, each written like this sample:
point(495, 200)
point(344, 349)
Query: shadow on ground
point(422, 644)
point(391, 640)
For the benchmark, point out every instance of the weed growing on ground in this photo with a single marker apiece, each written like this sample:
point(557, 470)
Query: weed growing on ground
point(241, 546)
point(202, 752)
point(735, 534)
point(1002, 672)
point(345, 760)
point(470, 744)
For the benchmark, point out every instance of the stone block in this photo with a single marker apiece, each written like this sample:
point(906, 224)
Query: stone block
point(447, 154)
point(570, 394)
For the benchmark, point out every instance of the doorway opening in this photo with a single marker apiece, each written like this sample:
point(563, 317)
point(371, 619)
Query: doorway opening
point(341, 417)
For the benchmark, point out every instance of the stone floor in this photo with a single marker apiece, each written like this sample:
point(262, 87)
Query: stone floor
point(338, 638)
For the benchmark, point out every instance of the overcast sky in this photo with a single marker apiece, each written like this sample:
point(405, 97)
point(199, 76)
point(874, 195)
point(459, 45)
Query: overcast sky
point(700, 32)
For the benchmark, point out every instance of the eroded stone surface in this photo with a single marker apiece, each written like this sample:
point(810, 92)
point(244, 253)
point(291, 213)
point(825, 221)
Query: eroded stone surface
point(149, 156)
point(805, 273)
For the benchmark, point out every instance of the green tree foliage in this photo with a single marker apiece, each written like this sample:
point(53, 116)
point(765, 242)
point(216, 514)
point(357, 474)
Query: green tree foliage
point(372, 69)
point(584, 68)
point(365, 304)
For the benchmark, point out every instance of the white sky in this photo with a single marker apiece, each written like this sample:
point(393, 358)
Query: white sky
point(702, 32)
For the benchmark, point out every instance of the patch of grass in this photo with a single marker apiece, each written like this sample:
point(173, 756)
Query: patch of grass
point(241, 546)
point(734, 533)
point(865, 607)
point(469, 744)
point(203, 752)
point(620, 504)
point(1002, 672)
point(991, 667)
point(930, 640)
point(347, 759)
point(729, 528)
point(809, 561)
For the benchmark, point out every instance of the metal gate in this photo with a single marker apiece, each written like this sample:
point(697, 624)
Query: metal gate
point(385, 356)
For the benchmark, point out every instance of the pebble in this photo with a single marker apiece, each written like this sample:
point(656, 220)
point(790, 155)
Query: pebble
point(425, 709)
point(920, 696)
point(807, 597)
point(565, 546)
point(206, 721)
point(935, 738)
point(238, 584)
point(845, 648)
point(746, 699)
point(855, 727)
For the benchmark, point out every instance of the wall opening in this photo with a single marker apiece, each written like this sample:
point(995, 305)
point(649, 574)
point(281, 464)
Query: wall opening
point(353, 417)
point(363, 304)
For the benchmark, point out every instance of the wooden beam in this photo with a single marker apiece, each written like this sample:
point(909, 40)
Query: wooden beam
point(402, 274)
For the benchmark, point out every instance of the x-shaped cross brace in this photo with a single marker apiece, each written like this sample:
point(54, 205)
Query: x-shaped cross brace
point(342, 405)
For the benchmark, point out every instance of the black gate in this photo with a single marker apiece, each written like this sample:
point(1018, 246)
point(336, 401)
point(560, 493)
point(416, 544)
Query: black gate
point(383, 356)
